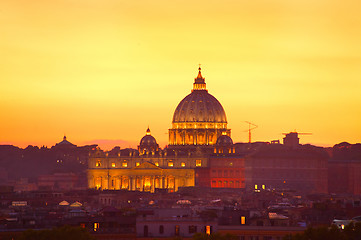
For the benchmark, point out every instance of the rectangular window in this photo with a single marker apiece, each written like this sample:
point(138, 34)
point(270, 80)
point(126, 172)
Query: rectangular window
point(243, 220)
point(113, 164)
point(176, 230)
point(137, 164)
point(124, 164)
point(170, 164)
point(198, 163)
point(157, 164)
point(192, 229)
point(96, 226)
point(208, 230)
point(98, 163)
point(183, 164)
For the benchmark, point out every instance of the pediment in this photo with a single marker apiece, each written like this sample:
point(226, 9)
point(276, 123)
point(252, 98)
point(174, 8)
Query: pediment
point(147, 165)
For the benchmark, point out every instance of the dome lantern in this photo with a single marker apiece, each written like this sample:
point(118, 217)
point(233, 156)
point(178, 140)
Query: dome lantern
point(199, 81)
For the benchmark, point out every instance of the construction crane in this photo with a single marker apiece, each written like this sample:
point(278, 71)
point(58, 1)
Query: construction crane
point(295, 132)
point(251, 126)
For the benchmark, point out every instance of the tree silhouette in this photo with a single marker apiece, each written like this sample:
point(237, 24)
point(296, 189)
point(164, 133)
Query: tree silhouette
point(214, 236)
point(60, 233)
point(351, 232)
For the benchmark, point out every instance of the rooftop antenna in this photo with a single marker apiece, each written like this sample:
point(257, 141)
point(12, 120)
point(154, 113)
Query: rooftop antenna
point(251, 126)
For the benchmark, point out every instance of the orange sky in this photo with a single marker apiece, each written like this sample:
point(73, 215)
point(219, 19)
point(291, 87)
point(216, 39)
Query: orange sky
point(105, 70)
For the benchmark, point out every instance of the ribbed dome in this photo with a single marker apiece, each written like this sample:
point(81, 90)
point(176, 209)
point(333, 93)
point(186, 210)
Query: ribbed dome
point(224, 140)
point(148, 140)
point(199, 106)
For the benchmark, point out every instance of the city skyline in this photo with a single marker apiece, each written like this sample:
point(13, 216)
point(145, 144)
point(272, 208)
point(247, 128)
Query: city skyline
point(102, 72)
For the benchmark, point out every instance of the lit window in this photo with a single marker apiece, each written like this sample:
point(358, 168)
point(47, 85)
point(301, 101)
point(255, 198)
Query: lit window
point(170, 164)
point(96, 226)
point(243, 220)
point(157, 164)
point(231, 164)
point(177, 228)
point(137, 164)
point(255, 186)
point(208, 230)
point(98, 163)
point(198, 163)
point(124, 164)
point(113, 164)
point(263, 187)
point(183, 164)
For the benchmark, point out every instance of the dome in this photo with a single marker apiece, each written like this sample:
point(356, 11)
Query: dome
point(148, 140)
point(199, 106)
point(224, 140)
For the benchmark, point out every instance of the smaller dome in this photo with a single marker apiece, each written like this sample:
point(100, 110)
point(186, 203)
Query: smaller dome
point(148, 140)
point(224, 140)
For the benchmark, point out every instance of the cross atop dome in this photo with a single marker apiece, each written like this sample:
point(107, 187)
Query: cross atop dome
point(199, 81)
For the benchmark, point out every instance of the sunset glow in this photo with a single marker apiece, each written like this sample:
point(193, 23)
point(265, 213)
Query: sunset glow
point(103, 71)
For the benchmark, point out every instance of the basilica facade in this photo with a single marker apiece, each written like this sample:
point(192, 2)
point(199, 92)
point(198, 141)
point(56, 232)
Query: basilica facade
point(198, 135)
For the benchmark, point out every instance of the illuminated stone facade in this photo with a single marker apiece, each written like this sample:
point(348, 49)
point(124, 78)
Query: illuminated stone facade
point(131, 171)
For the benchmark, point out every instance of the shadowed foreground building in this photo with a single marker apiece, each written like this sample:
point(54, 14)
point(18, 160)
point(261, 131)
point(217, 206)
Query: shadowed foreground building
point(202, 153)
point(298, 167)
point(344, 171)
